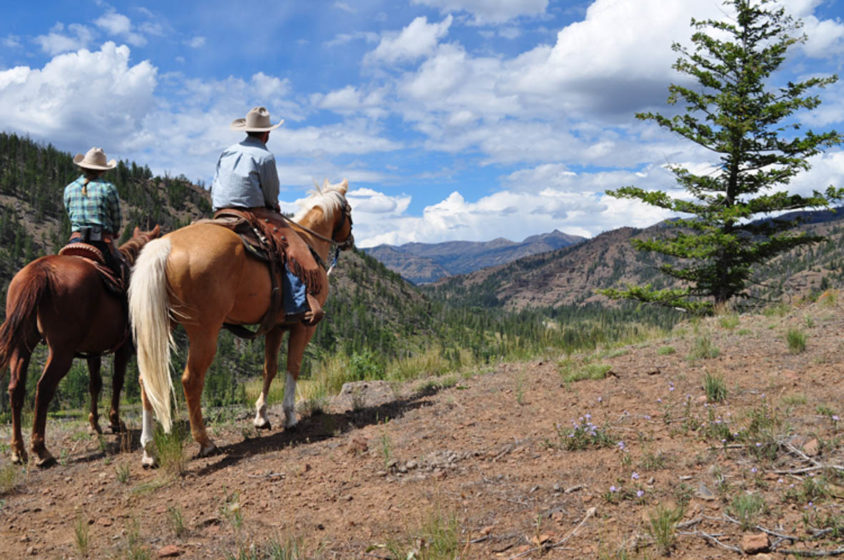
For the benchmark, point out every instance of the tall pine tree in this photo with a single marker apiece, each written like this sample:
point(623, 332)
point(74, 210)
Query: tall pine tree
point(735, 112)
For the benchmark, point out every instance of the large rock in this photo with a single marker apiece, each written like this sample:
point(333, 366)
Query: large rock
point(755, 543)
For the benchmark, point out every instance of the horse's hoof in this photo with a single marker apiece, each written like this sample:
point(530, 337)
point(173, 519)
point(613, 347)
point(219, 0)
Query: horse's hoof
point(293, 428)
point(148, 462)
point(265, 425)
point(45, 461)
point(118, 428)
point(207, 451)
point(19, 458)
point(94, 430)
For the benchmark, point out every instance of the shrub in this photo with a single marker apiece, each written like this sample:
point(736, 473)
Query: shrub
point(715, 388)
point(796, 341)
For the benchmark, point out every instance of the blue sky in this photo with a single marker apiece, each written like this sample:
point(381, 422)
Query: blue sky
point(452, 119)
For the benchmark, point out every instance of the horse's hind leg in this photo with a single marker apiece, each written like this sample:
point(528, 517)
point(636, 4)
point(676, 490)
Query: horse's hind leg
point(55, 368)
point(147, 429)
point(272, 343)
point(121, 359)
point(95, 385)
point(203, 346)
point(18, 364)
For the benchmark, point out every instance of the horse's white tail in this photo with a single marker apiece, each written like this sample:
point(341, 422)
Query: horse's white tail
point(149, 312)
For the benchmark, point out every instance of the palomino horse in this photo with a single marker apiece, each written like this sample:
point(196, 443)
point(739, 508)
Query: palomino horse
point(200, 276)
point(64, 301)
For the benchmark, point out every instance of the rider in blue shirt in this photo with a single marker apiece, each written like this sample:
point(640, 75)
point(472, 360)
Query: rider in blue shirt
point(246, 178)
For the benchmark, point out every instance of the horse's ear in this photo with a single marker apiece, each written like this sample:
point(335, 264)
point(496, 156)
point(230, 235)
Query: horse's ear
point(136, 232)
point(344, 186)
point(156, 231)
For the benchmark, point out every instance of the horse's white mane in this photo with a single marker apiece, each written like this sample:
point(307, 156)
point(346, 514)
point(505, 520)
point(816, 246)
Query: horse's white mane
point(331, 198)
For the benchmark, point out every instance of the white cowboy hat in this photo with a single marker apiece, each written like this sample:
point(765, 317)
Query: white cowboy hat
point(257, 120)
point(94, 159)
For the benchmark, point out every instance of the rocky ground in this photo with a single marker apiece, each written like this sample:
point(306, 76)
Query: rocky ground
point(525, 460)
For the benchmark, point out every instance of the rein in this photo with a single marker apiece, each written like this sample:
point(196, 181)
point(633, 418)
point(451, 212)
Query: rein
point(337, 247)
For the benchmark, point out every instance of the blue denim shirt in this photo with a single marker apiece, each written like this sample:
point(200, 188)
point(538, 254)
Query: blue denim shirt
point(246, 176)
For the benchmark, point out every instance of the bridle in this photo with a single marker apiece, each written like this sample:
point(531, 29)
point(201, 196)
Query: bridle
point(347, 243)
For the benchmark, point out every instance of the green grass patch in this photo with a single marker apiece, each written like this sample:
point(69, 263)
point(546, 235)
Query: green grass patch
point(715, 388)
point(703, 349)
point(437, 538)
point(661, 527)
point(747, 508)
point(796, 341)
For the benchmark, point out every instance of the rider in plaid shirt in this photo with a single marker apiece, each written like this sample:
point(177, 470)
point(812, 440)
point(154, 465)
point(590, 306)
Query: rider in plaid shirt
point(99, 206)
point(93, 206)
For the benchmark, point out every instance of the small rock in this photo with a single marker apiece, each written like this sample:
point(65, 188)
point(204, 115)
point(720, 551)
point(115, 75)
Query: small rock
point(25, 538)
point(704, 493)
point(755, 543)
point(411, 465)
point(357, 446)
point(811, 447)
point(32, 551)
point(169, 551)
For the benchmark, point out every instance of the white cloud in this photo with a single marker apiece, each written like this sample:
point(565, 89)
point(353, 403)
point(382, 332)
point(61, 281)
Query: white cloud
point(60, 40)
point(11, 42)
point(490, 11)
point(352, 101)
point(369, 201)
point(196, 42)
point(418, 39)
point(118, 25)
point(825, 38)
point(80, 98)
point(344, 7)
point(345, 38)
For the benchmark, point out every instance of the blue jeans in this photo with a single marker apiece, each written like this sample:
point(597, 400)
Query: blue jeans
point(293, 294)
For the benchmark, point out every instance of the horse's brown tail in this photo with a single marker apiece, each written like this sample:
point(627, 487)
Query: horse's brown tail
point(21, 324)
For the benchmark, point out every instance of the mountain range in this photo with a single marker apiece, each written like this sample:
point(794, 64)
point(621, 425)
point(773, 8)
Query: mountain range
point(423, 263)
point(572, 275)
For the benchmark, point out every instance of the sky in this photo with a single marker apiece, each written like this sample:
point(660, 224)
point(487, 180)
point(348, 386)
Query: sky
point(451, 119)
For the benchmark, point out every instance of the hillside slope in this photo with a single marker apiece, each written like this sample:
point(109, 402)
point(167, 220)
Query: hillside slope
point(571, 276)
point(538, 459)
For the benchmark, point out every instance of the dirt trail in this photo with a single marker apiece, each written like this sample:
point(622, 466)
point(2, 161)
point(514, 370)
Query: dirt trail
point(490, 452)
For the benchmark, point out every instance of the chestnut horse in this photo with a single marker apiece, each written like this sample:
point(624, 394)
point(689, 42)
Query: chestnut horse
point(200, 276)
point(63, 300)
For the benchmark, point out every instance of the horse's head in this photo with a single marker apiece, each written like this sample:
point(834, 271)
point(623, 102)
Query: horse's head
point(132, 248)
point(342, 232)
point(336, 214)
point(154, 233)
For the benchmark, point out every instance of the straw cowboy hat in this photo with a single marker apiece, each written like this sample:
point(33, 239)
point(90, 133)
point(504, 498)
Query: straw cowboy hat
point(94, 159)
point(257, 120)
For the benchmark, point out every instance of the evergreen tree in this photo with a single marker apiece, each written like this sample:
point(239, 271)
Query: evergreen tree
point(734, 112)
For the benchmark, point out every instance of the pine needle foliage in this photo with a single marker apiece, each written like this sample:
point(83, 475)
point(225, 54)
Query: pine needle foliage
point(735, 112)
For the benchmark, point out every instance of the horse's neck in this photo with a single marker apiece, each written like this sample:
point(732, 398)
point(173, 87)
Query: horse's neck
point(315, 221)
point(132, 248)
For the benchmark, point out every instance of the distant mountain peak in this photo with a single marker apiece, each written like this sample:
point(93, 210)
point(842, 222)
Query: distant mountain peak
point(422, 263)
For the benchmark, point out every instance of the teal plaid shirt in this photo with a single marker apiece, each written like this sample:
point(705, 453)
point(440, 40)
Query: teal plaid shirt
point(100, 207)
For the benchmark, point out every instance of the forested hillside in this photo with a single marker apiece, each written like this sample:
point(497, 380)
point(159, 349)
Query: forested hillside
point(32, 217)
point(572, 276)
